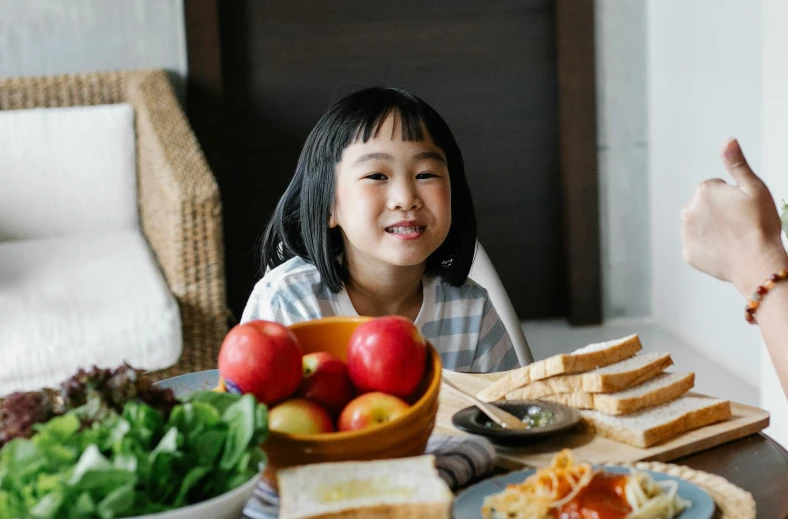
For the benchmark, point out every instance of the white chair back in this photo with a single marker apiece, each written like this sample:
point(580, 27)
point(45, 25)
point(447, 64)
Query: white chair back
point(484, 273)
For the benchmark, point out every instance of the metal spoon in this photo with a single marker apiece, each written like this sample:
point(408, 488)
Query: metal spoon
point(496, 414)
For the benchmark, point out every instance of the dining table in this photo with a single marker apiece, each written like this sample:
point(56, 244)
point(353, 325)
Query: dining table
point(755, 463)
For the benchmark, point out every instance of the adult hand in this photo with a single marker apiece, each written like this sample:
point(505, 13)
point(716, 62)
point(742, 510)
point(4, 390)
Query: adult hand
point(732, 232)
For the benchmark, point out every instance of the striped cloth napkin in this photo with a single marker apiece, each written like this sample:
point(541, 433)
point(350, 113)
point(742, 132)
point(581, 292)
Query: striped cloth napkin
point(459, 460)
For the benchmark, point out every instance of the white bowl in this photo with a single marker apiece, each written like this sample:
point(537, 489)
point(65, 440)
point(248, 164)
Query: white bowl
point(229, 505)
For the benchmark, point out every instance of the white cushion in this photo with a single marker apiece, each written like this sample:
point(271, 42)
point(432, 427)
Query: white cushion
point(67, 170)
point(69, 303)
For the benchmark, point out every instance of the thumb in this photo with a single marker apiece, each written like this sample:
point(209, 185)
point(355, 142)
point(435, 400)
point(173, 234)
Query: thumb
point(734, 161)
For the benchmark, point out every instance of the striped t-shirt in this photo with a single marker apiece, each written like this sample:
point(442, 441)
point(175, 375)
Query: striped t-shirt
point(460, 322)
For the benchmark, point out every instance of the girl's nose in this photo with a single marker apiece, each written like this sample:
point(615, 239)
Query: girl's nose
point(404, 196)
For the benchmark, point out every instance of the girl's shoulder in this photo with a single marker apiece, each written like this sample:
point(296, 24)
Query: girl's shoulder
point(293, 272)
point(291, 292)
point(469, 290)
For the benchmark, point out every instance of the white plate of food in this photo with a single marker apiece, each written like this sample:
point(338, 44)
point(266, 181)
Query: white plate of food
point(109, 443)
point(613, 492)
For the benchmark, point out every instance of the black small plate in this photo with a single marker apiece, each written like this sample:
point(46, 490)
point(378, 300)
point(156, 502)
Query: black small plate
point(472, 420)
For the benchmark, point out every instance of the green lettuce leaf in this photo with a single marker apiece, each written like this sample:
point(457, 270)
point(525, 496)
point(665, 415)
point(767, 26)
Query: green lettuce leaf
point(21, 461)
point(117, 502)
point(240, 420)
point(221, 401)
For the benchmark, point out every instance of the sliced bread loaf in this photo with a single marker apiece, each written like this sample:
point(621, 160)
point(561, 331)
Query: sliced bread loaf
point(615, 377)
point(657, 424)
point(659, 390)
point(583, 359)
point(402, 488)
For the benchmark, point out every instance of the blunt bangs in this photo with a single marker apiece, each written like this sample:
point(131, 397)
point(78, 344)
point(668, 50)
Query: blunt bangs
point(359, 117)
point(299, 226)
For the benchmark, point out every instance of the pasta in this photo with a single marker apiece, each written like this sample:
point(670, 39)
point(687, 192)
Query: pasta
point(566, 490)
point(652, 500)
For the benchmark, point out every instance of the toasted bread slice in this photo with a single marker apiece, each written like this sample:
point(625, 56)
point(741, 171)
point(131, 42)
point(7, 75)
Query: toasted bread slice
point(381, 489)
point(615, 377)
point(659, 390)
point(657, 424)
point(583, 359)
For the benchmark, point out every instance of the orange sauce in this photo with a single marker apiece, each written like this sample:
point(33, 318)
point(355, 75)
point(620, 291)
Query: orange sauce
point(603, 498)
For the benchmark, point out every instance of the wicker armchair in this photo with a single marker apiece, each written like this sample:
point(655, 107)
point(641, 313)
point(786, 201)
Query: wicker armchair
point(179, 204)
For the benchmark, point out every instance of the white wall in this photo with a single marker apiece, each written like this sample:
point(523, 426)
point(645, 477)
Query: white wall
point(43, 37)
point(704, 82)
point(623, 157)
point(774, 170)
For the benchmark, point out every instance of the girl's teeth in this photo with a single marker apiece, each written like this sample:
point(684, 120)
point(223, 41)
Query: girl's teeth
point(403, 230)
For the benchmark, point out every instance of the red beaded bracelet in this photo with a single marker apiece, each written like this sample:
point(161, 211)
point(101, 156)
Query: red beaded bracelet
point(755, 301)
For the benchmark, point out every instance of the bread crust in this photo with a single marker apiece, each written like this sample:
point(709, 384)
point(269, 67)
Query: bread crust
point(575, 362)
point(615, 404)
point(331, 490)
point(591, 382)
point(435, 510)
point(715, 411)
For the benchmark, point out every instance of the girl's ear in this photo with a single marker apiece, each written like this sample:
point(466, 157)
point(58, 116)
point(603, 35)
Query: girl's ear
point(332, 221)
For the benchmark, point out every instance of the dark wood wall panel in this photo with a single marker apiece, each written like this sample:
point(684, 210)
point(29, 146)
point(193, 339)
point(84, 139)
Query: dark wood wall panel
point(578, 151)
point(488, 67)
point(204, 90)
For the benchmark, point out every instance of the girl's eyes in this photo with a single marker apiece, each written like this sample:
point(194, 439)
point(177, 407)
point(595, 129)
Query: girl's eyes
point(421, 176)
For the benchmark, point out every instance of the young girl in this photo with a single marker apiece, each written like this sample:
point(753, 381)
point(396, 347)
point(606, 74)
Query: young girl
point(378, 220)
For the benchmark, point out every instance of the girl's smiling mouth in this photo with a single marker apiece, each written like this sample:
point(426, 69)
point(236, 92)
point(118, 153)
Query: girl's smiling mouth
point(406, 230)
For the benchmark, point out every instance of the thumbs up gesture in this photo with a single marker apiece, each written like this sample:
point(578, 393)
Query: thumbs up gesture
point(732, 231)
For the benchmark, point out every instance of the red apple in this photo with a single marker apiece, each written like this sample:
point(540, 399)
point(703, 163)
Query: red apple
point(262, 358)
point(370, 409)
point(326, 381)
point(299, 416)
point(387, 354)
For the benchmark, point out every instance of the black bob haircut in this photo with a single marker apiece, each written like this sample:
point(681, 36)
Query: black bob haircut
point(299, 225)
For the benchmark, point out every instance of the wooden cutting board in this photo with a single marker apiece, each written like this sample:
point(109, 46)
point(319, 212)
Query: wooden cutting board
point(586, 446)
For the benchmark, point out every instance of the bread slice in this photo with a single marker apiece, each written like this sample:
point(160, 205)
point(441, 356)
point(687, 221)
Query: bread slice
point(651, 426)
point(659, 390)
point(616, 377)
point(401, 488)
point(583, 359)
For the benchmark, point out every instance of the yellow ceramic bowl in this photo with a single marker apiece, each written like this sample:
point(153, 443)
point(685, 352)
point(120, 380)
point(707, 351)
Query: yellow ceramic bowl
point(405, 436)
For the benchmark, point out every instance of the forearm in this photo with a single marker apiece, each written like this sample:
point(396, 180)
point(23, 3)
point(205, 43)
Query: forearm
point(772, 317)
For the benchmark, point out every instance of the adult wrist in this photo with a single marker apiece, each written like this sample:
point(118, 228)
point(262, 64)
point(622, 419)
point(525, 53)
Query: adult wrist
point(770, 261)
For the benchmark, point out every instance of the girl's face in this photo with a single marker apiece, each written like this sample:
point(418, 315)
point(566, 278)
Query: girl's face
point(393, 198)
